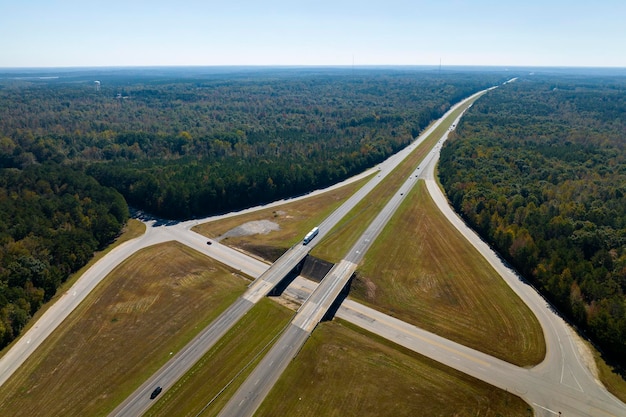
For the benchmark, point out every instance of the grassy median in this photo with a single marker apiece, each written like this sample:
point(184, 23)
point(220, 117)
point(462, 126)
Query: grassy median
point(423, 271)
point(337, 243)
point(206, 388)
point(148, 308)
point(345, 371)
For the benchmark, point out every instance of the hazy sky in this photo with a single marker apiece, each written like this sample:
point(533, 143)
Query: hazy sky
point(307, 32)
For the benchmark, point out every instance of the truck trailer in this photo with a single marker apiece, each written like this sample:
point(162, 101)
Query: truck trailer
point(309, 236)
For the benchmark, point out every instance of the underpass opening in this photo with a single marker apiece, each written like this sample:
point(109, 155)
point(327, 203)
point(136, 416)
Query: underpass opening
point(284, 283)
point(315, 269)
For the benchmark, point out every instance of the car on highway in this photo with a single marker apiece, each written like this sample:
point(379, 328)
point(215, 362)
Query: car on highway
point(209, 242)
point(156, 392)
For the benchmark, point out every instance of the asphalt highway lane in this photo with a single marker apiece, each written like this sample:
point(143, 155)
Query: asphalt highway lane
point(255, 388)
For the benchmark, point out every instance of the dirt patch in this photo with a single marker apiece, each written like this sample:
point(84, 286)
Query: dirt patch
point(261, 252)
point(257, 227)
point(586, 356)
point(287, 301)
point(315, 269)
point(366, 286)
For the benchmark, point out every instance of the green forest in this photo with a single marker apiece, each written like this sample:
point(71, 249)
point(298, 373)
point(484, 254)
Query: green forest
point(53, 219)
point(538, 168)
point(179, 143)
point(193, 147)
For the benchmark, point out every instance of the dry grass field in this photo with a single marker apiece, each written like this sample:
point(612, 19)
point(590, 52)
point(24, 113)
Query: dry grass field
point(149, 306)
point(344, 371)
point(134, 228)
point(423, 271)
point(295, 220)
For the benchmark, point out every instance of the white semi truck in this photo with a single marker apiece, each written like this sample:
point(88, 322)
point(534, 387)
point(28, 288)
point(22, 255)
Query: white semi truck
point(309, 236)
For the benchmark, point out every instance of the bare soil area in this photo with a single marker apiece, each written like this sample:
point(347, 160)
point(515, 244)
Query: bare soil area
point(255, 227)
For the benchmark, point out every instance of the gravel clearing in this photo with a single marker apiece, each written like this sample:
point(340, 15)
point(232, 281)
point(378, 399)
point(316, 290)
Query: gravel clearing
point(258, 227)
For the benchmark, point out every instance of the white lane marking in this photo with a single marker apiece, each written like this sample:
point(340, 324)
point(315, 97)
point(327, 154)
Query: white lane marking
point(547, 409)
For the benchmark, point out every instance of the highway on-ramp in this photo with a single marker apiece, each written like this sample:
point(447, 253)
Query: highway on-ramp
point(530, 384)
point(563, 368)
point(48, 322)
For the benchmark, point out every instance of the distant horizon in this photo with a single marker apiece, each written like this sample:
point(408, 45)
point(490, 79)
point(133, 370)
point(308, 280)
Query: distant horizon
point(193, 70)
point(436, 66)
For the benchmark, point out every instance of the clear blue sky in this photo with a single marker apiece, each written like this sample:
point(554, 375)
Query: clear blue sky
point(45, 33)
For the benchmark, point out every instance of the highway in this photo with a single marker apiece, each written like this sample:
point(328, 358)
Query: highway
point(252, 392)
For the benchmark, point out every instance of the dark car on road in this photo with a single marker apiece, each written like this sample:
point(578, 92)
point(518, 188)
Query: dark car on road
point(156, 392)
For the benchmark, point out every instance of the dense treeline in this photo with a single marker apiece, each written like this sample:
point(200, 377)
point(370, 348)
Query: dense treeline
point(190, 147)
point(53, 219)
point(538, 168)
